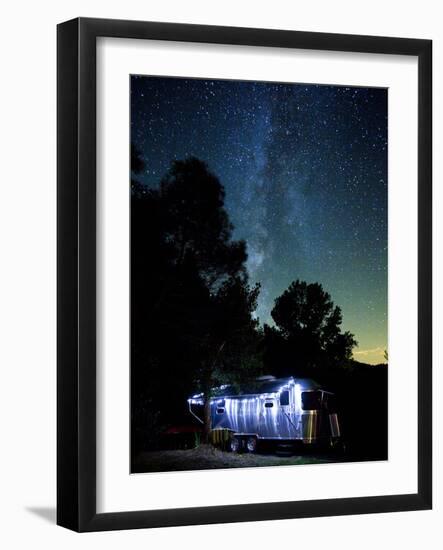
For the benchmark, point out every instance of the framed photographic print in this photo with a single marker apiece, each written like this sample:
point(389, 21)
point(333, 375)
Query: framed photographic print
point(244, 274)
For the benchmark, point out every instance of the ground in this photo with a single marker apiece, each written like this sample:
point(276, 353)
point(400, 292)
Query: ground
point(207, 457)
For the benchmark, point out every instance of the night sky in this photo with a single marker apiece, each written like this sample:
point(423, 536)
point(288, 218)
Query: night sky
point(305, 173)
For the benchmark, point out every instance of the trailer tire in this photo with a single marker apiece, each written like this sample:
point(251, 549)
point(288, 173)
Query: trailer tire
point(251, 444)
point(235, 444)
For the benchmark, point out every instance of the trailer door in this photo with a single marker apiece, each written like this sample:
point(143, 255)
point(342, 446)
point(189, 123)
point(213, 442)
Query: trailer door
point(287, 426)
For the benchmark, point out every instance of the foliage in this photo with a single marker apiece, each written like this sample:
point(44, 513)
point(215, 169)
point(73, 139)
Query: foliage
point(307, 332)
point(196, 224)
point(191, 307)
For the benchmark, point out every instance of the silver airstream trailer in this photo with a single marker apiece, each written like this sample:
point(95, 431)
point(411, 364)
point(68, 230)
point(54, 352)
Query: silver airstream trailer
point(272, 409)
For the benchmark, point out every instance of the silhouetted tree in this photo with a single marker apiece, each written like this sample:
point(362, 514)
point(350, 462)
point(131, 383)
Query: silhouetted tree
point(191, 305)
point(308, 330)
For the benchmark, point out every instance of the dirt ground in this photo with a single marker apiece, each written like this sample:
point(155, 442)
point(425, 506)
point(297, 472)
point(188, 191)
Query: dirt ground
point(207, 457)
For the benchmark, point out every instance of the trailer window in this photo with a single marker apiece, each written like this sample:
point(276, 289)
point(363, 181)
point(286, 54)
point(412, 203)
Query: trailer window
point(220, 410)
point(284, 398)
point(311, 400)
point(269, 404)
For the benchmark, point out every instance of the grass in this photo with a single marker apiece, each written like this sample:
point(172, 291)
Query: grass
point(206, 457)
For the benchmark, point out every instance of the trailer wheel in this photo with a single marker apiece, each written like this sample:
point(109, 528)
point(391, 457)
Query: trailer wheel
point(234, 444)
point(251, 444)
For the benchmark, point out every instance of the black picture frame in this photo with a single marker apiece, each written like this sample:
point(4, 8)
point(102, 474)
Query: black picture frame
point(76, 265)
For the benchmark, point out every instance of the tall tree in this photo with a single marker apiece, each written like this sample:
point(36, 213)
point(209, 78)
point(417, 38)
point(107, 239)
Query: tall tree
point(192, 308)
point(198, 229)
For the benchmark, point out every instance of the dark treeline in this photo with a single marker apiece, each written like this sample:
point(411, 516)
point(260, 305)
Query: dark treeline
point(192, 317)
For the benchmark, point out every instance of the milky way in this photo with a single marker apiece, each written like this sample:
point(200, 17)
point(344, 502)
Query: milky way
point(305, 173)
